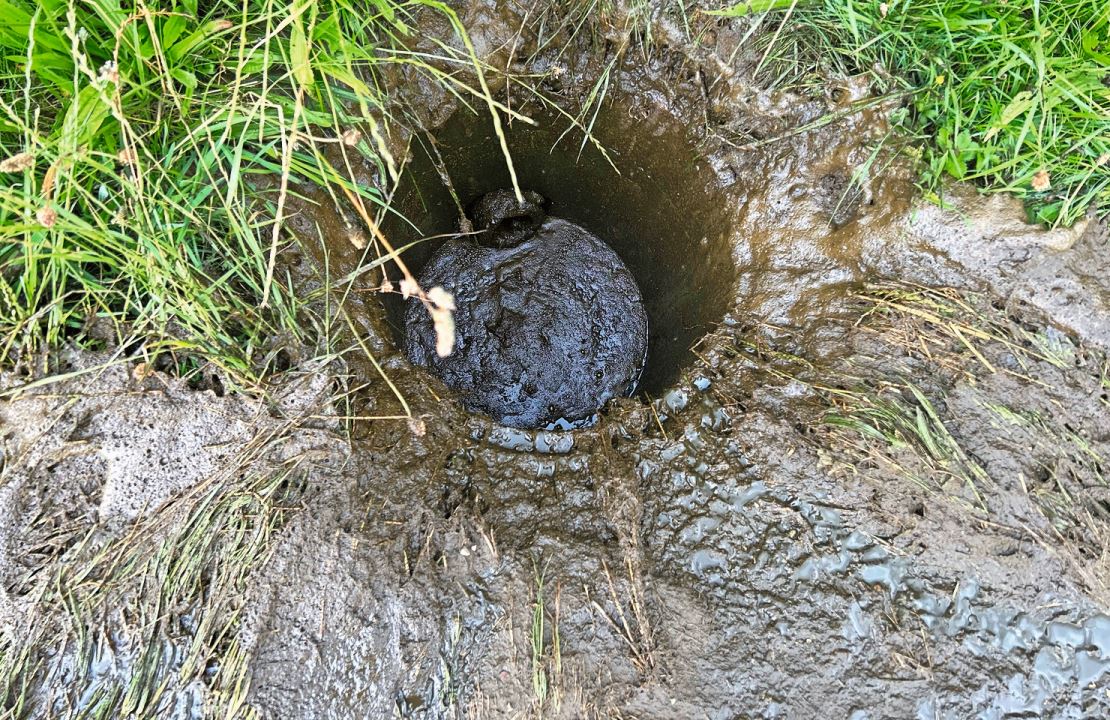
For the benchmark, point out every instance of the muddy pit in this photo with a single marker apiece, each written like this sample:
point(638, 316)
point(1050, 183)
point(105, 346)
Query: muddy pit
point(650, 198)
point(840, 495)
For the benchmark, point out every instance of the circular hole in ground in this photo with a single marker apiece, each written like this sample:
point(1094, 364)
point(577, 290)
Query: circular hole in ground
point(662, 213)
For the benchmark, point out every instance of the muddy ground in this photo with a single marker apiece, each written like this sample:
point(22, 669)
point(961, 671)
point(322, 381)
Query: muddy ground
point(876, 488)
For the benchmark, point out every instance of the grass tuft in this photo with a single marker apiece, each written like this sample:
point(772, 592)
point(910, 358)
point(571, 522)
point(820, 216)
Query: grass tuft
point(147, 152)
point(1013, 95)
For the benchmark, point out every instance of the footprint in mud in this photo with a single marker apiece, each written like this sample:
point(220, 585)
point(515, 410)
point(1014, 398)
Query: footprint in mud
point(550, 324)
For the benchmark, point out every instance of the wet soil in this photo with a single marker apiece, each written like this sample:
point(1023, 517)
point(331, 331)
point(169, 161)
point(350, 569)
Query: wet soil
point(548, 324)
point(674, 242)
point(734, 543)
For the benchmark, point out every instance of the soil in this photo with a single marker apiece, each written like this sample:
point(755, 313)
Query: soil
point(549, 324)
point(724, 546)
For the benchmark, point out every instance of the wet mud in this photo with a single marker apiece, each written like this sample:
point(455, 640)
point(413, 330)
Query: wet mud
point(865, 477)
point(675, 244)
point(549, 325)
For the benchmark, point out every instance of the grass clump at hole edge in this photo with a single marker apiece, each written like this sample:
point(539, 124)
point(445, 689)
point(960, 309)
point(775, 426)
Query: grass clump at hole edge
point(1012, 95)
point(138, 151)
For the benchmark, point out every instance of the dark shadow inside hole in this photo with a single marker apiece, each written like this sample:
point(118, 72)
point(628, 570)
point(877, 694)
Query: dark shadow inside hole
point(663, 214)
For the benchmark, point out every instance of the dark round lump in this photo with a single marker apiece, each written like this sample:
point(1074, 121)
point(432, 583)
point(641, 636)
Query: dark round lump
point(549, 322)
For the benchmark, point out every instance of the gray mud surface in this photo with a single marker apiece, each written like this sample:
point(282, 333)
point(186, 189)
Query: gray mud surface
point(876, 488)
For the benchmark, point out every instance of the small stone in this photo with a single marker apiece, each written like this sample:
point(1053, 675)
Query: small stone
point(142, 371)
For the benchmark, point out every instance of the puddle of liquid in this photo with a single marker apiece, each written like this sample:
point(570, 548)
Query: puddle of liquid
point(662, 213)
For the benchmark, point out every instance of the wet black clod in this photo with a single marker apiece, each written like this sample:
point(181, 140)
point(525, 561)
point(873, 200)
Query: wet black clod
point(549, 322)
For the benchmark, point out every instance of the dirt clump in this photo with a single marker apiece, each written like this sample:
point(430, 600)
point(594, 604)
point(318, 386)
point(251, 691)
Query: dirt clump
point(549, 323)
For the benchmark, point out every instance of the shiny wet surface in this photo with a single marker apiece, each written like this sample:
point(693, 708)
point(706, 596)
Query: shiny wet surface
point(658, 209)
point(549, 323)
